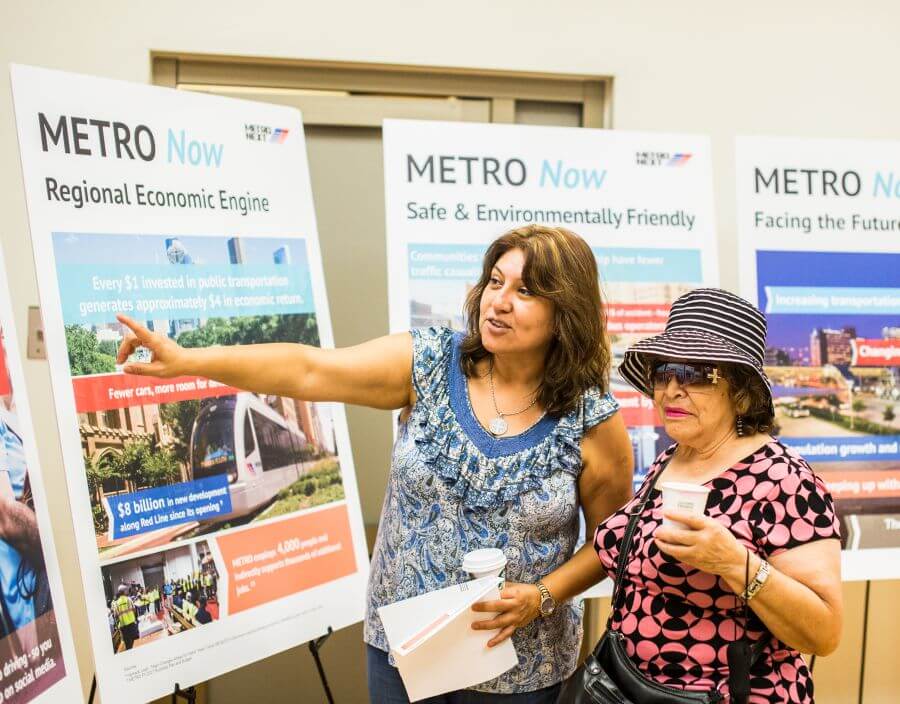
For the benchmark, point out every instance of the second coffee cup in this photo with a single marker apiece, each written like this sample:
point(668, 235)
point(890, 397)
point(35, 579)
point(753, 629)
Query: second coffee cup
point(683, 497)
point(485, 562)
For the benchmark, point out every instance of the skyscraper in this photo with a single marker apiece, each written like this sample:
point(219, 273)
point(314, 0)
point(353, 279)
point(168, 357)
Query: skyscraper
point(827, 346)
point(177, 253)
point(235, 250)
point(282, 255)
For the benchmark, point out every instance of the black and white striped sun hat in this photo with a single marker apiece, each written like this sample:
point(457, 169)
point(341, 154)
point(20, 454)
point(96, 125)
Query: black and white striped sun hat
point(706, 324)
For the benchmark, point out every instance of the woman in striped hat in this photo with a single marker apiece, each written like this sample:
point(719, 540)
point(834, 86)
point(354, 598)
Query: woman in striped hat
point(762, 564)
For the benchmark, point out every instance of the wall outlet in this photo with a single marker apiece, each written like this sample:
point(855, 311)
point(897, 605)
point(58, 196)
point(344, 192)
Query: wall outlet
point(36, 346)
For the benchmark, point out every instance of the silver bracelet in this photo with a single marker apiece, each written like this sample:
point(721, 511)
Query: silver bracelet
point(762, 574)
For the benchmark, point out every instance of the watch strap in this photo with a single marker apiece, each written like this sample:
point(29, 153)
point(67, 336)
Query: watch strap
point(545, 594)
point(759, 579)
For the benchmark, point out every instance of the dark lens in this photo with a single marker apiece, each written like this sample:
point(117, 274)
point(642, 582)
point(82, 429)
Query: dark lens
point(660, 375)
point(686, 373)
point(692, 374)
point(698, 374)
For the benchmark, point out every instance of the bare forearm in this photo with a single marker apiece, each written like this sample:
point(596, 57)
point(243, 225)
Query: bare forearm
point(376, 373)
point(274, 368)
point(791, 611)
point(579, 573)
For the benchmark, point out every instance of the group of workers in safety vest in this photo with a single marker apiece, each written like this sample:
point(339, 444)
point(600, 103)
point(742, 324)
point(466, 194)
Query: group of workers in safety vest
point(189, 596)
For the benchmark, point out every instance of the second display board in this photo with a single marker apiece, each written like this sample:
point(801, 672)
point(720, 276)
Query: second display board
point(643, 201)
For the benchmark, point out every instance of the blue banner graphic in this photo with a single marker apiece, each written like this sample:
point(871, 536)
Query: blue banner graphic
point(832, 300)
point(95, 293)
point(441, 261)
point(167, 506)
point(846, 449)
point(628, 264)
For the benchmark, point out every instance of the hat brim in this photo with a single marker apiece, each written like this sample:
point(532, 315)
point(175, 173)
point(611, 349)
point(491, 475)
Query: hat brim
point(687, 344)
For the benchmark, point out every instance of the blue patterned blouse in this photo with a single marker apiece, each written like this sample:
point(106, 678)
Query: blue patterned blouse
point(453, 487)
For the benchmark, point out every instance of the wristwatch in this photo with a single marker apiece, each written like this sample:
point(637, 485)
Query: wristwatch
point(762, 574)
point(548, 603)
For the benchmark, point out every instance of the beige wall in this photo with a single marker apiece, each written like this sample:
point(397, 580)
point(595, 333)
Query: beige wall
point(719, 68)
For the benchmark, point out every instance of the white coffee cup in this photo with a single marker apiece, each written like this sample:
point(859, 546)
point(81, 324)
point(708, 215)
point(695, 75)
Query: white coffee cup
point(485, 562)
point(683, 497)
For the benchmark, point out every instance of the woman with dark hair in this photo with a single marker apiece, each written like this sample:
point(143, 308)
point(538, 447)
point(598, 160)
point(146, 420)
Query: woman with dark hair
point(505, 432)
point(756, 579)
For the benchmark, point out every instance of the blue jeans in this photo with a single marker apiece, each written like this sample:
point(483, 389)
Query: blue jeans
point(386, 687)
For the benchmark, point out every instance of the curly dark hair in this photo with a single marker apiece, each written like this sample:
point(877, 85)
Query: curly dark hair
point(560, 266)
point(750, 397)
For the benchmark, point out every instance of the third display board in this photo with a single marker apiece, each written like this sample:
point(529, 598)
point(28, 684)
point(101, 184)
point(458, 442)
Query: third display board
point(819, 243)
point(37, 656)
point(642, 201)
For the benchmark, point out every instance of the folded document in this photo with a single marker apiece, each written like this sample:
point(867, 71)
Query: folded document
point(433, 643)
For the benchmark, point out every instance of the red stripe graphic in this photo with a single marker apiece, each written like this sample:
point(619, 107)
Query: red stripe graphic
point(104, 392)
point(637, 409)
point(640, 318)
point(875, 353)
point(5, 387)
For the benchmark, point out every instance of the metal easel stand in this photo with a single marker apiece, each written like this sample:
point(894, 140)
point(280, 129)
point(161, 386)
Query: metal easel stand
point(314, 647)
point(189, 695)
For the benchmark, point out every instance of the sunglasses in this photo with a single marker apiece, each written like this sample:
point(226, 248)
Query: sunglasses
point(686, 373)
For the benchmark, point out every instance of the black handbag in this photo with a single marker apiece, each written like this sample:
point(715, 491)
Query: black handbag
point(608, 675)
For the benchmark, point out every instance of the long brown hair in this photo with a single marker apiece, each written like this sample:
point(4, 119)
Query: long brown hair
point(559, 266)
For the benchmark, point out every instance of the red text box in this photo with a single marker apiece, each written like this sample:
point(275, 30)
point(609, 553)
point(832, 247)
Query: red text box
point(875, 353)
point(637, 409)
point(636, 318)
point(5, 387)
point(874, 484)
point(107, 391)
point(287, 557)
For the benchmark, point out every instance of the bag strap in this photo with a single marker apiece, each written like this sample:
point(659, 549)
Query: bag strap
point(756, 649)
point(628, 536)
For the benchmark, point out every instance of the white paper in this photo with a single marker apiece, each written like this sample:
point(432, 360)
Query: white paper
point(427, 632)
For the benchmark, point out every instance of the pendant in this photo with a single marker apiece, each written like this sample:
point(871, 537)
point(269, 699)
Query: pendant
point(498, 426)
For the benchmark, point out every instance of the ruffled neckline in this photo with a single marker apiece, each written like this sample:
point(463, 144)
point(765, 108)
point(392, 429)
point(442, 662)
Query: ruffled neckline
point(489, 445)
point(483, 471)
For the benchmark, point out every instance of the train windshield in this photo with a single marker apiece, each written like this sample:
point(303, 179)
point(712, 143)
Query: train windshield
point(213, 450)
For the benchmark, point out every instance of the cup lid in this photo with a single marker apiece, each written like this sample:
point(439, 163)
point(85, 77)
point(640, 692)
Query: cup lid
point(483, 559)
point(685, 486)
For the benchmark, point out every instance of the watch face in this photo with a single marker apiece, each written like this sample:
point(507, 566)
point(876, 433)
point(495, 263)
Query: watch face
point(547, 605)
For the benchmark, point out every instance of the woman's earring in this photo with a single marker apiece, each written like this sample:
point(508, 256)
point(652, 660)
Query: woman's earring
point(740, 426)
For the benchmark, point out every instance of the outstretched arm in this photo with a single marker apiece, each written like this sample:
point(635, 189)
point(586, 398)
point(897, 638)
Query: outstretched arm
point(377, 373)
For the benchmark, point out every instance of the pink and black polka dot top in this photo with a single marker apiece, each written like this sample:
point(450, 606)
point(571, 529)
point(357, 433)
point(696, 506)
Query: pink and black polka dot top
point(678, 621)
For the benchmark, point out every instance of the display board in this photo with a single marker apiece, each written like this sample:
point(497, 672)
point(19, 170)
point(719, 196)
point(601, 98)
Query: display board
point(642, 201)
point(819, 243)
point(37, 658)
point(215, 527)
